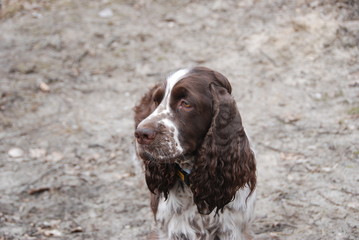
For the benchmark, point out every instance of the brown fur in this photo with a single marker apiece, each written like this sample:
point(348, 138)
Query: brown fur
point(223, 161)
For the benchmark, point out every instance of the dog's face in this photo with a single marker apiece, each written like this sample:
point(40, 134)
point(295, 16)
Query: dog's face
point(181, 118)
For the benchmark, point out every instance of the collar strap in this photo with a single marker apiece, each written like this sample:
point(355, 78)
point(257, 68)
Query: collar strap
point(183, 175)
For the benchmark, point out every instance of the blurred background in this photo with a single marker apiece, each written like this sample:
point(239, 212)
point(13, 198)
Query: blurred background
point(71, 72)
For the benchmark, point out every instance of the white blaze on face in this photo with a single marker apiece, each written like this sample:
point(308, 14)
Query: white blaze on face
point(164, 109)
point(170, 125)
point(171, 82)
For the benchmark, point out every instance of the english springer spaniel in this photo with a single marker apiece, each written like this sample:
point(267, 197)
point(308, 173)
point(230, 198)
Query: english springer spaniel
point(199, 166)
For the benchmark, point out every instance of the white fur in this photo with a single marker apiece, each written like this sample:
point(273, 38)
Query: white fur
point(171, 82)
point(170, 125)
point(177, 214)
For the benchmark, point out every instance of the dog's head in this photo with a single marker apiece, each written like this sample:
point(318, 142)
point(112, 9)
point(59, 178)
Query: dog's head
point(192, 120)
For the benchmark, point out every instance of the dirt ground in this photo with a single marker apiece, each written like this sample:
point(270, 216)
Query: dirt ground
point(71, 71)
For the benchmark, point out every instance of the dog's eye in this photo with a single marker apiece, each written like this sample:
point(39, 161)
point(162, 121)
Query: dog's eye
point(185, 104)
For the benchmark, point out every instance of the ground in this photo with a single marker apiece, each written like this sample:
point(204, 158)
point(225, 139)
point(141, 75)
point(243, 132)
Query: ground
point(71, 72)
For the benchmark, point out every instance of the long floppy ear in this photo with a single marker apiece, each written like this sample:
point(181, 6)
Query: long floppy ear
point(159, 177)
point(225, 162)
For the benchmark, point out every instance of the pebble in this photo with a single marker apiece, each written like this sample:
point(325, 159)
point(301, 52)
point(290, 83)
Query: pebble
point(55, 156)
point(52, 233)
point(37, 153)
point(317, 96)
point(106, 13)
point(15, 152)
point(353, 205)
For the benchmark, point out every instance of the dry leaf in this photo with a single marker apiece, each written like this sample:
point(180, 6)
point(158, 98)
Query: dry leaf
point(44, 87)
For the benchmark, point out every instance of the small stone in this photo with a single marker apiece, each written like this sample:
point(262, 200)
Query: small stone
point(37, 153)
point(52, 233)
point(291, 118)
point(55, 156)
point(106, 13)
point(317, 96)
point(353, 205)
point(290, 178)
point(326, 169)
point(36, 15)
point(16, 152)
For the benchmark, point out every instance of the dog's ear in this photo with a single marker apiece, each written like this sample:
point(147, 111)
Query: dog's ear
point(147, 105)
point(223, 81)
point(159, 177)
point(225, 162)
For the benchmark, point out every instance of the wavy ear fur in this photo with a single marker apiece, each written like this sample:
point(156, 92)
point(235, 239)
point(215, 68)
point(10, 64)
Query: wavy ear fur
point(159, 177)
point(225, 162)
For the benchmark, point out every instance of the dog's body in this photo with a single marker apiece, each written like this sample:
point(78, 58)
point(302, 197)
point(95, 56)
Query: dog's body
point(198, 162)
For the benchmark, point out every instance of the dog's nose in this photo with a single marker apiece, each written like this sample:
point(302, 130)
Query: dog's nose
point(145, 135)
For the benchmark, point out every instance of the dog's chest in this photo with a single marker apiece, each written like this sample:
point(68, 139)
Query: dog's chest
point(178, 218)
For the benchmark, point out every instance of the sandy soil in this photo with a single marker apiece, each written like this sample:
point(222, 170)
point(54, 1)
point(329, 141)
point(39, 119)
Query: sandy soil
point(71, 71)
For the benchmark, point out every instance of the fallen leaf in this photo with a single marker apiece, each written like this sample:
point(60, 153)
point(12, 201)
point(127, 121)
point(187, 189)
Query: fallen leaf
point(44, 87)
point(38, 190)
point(291, 118)
point(77, 229)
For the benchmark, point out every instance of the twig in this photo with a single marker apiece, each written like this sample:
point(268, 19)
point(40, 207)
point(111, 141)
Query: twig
point(271, 148)
point(55, 168)
point(38, 190)
point(82, 56)
point(348, 192)
point(329, 200)
point(269, 58)
point(25, 132)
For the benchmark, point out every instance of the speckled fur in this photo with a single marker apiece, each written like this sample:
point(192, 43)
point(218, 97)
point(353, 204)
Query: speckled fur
point(178, 218)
